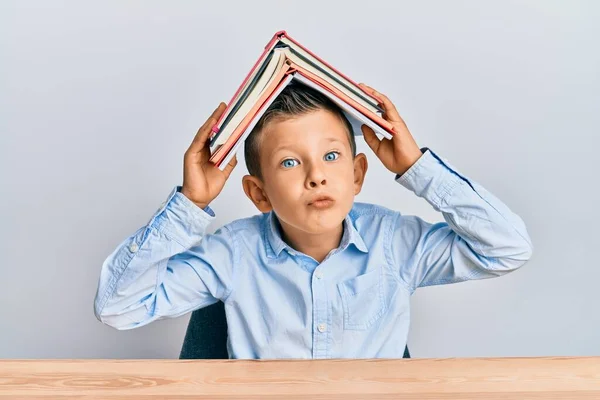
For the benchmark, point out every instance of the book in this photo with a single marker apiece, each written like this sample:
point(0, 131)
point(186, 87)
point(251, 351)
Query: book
point(285, 60)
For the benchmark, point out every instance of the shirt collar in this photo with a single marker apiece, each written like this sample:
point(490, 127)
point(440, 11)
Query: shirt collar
point(274, 243)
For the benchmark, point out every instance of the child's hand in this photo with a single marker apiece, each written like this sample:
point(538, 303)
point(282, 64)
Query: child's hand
point(203, 180)
point(400, 153)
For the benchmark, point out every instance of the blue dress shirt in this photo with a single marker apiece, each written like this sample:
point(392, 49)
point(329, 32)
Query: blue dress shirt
point(281, 303)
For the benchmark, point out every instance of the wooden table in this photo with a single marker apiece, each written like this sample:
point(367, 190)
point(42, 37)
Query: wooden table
point(451, 378)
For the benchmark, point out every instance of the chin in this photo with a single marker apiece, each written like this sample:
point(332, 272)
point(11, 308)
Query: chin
point(318, 221)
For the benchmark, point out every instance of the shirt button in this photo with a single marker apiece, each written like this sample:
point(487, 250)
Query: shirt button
point(321, 328)
point(319, 274)
point(133, 247)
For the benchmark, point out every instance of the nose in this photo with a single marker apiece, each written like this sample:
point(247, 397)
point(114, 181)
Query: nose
point(315, 176)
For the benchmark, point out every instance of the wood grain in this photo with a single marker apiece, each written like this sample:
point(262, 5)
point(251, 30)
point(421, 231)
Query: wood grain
point(450, 378)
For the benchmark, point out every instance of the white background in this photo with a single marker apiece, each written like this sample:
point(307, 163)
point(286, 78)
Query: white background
point(99, 101)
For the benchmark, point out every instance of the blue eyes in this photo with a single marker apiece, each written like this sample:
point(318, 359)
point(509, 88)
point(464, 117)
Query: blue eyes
point(288, 163)
point(331, 156)
point(334, 158)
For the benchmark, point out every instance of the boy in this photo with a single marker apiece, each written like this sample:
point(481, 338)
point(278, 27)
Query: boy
point(315, 275)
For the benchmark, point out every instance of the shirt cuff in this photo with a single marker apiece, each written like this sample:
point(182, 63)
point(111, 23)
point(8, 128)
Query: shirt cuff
point(181, 219)
point(206, 209)
point(423, 150)
point(431, 177)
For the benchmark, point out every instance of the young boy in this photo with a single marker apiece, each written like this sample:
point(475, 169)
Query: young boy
point(315, 275)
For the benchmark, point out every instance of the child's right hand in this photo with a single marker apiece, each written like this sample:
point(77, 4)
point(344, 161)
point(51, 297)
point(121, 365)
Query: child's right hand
point(203, 180)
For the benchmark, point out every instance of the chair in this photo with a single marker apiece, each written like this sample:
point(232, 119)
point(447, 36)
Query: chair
point(206, 334)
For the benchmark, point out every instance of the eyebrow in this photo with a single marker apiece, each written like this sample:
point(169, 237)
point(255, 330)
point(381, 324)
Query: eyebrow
point(291, 147)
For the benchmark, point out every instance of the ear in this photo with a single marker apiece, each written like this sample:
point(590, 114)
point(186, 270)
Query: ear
point(360, 171)
point(253, 187)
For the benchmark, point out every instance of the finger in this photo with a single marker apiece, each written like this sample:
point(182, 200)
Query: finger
point(199, 141)
point(230, 166)
point(371, 91)
point(205, 130)
point(370, 137)
point(388, 106)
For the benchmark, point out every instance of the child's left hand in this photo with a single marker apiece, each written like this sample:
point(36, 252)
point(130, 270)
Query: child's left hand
point(400, 153)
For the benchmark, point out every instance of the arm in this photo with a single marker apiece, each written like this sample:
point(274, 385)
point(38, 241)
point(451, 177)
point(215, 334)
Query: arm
point(167, 268)
point(481, 238)
point(170, 267)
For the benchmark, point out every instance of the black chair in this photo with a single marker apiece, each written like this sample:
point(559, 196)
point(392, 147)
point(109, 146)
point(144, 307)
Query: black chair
point(206, 335)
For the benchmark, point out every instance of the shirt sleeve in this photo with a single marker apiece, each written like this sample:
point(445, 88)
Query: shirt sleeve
point(480, 238)
point(167, 268)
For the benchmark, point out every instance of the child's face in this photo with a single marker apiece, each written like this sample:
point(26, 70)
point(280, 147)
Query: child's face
point(301, 159)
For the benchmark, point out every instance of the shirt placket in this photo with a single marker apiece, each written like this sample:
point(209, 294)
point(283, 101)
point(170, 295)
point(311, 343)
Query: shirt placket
point(321, 321)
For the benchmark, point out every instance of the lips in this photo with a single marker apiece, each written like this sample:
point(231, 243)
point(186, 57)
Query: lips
point(320, 198)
